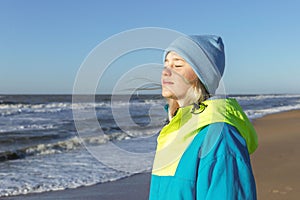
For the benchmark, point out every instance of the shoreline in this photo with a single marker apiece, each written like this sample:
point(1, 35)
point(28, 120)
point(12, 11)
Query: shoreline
point(132, 187)
point(275, 164)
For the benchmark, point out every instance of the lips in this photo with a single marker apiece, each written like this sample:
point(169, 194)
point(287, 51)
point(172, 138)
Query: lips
point(166, 82)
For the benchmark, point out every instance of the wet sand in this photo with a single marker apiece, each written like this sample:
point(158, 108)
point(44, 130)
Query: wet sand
point(276, 166)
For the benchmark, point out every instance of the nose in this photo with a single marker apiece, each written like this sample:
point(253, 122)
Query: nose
point(166, 71)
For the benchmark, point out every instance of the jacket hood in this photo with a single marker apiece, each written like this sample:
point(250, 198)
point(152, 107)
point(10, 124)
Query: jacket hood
point(211, 111)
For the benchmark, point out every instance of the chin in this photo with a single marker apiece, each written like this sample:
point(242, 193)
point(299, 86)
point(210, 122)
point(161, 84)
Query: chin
point(167, 94)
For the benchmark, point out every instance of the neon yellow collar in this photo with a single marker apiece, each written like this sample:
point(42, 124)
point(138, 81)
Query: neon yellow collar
point(177, 135)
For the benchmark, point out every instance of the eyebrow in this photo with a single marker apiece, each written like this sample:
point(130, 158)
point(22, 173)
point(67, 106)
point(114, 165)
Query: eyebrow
point(175, 59)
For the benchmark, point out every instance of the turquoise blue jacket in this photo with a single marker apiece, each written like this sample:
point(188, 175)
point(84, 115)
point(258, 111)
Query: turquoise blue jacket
point(212, 161)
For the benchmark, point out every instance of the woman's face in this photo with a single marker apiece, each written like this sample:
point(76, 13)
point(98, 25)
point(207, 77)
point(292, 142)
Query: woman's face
point(177, 77)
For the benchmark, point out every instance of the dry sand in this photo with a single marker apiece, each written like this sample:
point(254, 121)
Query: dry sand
point(276, 166)
point(276, 162)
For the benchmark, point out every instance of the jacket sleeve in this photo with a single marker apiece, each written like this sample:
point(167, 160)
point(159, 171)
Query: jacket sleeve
point(225, 172)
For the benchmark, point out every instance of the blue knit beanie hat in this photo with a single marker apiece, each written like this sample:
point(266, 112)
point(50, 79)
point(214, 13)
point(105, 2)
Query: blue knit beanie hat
point(205, 54)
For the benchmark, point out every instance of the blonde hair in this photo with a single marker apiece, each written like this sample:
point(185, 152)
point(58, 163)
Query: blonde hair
point(195, 95)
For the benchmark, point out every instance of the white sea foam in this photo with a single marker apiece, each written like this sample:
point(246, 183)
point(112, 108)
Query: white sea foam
point(254, 114)
point(268, 96)
point(10, 109)
point(52, 148)
point(49, 171)
point(54, 172)
point(9, 128)
point(260, 105)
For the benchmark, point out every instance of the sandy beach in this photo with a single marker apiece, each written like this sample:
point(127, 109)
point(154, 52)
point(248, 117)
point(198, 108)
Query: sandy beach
point(276, 165)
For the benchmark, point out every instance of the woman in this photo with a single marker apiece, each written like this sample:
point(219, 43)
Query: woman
point(203, 152)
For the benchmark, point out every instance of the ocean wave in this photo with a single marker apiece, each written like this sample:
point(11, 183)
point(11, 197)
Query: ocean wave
point(254, 114)
point(60, 146)
point(16, 109)
point(41, 149)
point(28, 127)
point(8, 109)
point(55, 172)
point(11, 108)
point(268, 96)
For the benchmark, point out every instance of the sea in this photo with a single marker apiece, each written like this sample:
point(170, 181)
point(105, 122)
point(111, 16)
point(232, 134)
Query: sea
point(51, 142)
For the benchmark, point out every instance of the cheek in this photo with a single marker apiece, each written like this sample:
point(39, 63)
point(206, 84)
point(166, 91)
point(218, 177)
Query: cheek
point(182, 83)
point(190, 74)
point(182, 88)
point(177, 91)
point(186, 75)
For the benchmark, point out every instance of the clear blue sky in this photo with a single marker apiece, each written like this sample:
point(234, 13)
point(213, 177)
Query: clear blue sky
point(43, 43)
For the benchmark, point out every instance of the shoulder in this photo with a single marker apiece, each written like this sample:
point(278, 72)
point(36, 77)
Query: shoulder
point(222, 139)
